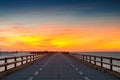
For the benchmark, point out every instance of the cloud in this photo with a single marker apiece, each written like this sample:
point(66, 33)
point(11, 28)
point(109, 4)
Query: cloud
point(3, 39)
point(61, 37)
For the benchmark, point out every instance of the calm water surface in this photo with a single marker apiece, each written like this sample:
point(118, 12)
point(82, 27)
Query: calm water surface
point(106, 54)
point(2, 55)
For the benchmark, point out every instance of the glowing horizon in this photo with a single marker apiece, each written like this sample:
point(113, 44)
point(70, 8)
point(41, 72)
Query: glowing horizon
point(68, 26)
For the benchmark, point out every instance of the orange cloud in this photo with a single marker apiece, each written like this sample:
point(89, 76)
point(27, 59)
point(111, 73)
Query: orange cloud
point(92, 37)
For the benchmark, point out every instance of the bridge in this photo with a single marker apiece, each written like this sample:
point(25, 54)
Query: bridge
point(58, 66)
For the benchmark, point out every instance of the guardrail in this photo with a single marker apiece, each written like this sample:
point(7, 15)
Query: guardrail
point(107, 64)
point(10, 64)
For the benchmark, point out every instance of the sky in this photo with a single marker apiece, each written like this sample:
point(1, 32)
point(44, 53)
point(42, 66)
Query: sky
point(60, 25)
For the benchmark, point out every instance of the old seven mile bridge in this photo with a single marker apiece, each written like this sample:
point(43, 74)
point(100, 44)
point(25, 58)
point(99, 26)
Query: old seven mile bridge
point(59, 66)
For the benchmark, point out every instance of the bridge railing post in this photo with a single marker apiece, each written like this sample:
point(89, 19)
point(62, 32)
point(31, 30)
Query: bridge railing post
point(89, 58)
point(26, 59)
point(15, 59)
point(79, 57)
point(83, 57)
point(22, 60)
point(95, 60)
point(6, 65)
point(111, 62)
point(101, 58)
point(86, 58)
point(33, 57)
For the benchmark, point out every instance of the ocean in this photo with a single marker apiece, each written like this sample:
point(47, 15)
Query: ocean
point(2, 55)
point(105, 54)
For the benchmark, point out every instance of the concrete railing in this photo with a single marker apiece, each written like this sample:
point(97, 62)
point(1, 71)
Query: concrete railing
point(11, 64)
point(107, 64)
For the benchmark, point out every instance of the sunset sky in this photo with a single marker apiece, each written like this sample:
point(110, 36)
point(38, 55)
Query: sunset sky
point(60, 25)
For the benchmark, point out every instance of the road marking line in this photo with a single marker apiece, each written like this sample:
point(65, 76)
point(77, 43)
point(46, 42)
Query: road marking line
point(43, 66)
point(66, 59)
point(81, 73)
point(31, 78)
point(73, 66)
point(50, 59)
point(76, 69)
point(36, 73)
point(86, 78)
point(40, 69)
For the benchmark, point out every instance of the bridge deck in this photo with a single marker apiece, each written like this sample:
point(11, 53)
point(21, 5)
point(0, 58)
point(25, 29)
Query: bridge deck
point(59, 67)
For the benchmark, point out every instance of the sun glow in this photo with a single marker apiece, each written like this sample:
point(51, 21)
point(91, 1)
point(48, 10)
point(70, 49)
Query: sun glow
point(57, 38)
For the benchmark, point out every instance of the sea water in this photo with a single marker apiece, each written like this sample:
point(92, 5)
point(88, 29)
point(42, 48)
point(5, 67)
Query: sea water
point(2, 55)
point(105, 54)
